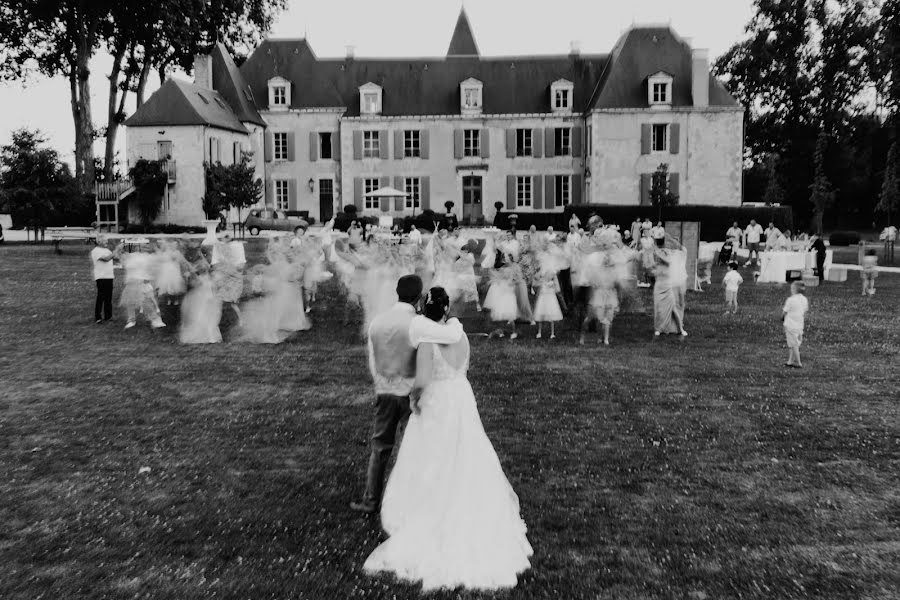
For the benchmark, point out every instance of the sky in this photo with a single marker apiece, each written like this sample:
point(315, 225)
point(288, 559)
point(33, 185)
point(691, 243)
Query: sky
point(398, 28)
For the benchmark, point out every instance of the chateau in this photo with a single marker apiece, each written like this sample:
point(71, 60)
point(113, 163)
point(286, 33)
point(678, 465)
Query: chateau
point(533, 132)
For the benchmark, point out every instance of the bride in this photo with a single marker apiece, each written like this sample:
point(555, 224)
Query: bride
point(452, 516)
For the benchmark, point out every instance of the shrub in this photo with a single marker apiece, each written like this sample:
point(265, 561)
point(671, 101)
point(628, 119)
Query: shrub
point(843, 238)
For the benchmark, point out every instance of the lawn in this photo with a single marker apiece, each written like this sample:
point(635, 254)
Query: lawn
point(133, 467)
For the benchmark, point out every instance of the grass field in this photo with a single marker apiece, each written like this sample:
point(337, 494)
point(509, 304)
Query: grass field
point(670, 469)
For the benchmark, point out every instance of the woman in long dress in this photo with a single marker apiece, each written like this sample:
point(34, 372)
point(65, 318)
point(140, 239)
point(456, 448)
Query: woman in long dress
point(451, 514)
point(669, 290)
point(201, 309)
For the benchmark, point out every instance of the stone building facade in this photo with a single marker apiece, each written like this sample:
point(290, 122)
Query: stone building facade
point(534, 133)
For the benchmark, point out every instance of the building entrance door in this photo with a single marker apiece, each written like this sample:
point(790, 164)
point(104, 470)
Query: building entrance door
point(472, 205)
point(326, 200)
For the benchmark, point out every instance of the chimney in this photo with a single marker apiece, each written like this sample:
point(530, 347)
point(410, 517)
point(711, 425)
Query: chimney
point(203, 71)
point(350, 52)
point(700, 77)
point(574, 48)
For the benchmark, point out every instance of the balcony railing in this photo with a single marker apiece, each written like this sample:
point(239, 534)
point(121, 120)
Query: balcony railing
point(112, 191)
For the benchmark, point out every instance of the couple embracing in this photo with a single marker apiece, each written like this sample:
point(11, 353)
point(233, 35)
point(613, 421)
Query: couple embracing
point(452, 516)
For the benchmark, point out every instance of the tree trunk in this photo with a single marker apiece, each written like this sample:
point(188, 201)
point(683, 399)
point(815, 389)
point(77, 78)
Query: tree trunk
point(76, 119)
point(113, 113)
point(84, 50)
point(142, 80)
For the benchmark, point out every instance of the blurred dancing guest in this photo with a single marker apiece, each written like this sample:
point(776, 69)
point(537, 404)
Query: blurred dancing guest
point(138, 295)
point(227, 265)
point(104, 275)
point(669, 291)
point(201, 308)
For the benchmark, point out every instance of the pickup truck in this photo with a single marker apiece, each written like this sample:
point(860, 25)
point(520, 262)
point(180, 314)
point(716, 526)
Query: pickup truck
point(277, 220)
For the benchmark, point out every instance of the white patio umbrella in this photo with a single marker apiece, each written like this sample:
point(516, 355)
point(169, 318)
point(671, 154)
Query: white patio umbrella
point(387, 193)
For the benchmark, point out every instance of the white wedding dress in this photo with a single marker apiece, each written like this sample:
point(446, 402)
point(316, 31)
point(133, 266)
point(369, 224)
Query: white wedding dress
point(452, 516)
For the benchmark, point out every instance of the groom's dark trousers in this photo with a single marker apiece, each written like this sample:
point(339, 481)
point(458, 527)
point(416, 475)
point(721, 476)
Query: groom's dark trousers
point(390, 411)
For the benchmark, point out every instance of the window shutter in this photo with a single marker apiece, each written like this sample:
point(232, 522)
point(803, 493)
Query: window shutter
point(292, 194)
point(358, 192)
point(550, 191)
point(457, 143)
point(537, 192)
point(399, 203)
point(385, 181)
point(485, 143)
point(398, 144)
point(577, 132)
point(425, 192)
point(674, 181)
point(313, 145)
point(270, 193)
point(549, 139)
point(510, 143)
point(357, 145)
point(645, 138)
point(510, 192)
point(646, 183)
point(383, 143)
point(423, 143)
point(537, 143)
point(269, 147)
point(576, 189)
point(336, 145)
point(674, 138)
point(292, 153)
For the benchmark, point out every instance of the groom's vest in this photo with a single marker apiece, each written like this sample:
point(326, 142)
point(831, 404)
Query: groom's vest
point(394, 354)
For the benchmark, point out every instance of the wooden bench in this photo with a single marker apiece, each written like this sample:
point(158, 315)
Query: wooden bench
point(58, 234)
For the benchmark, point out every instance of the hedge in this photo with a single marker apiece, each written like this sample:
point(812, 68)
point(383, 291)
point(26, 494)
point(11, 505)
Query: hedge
point(843, 238)
point(714, 220)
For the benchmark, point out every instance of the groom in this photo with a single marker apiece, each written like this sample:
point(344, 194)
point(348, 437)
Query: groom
point(394, 337)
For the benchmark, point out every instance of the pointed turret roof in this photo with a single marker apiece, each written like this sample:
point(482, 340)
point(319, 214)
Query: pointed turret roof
point(228, 81)
point(463, 42)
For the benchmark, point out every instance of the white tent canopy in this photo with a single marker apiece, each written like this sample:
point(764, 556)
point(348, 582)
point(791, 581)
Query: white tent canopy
point(387, 192)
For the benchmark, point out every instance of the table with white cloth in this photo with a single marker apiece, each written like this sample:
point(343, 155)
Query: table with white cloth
point(774, 266)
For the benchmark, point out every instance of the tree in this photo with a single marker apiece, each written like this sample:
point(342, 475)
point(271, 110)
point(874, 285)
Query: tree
point(774, 193)
point(61, 37)
point(36, 187)
point(823, 193)
point(150, 180)
point(802, 68)
point(888, 70)
point(156, 35)
point(889, 199)
point(660, 193)
point(57, 38)
point(231, 186)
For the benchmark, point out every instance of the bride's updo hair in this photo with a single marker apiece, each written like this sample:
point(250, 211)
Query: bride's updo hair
point(436, 303)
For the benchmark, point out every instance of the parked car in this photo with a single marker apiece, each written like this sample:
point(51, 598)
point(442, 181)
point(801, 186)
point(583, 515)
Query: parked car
point(278, 220)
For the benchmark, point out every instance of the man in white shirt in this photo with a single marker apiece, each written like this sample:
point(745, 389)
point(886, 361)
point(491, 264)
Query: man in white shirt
point(102, 261)
point(773, 235)
point(658, 233)
point(752, 235)
point(734, 235)
point(394, 337)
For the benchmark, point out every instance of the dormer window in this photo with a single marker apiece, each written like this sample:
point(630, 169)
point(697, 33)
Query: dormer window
point(470, 92)
point(561, 95)
point(370, 96)
point(279, 93)
point(659, 90)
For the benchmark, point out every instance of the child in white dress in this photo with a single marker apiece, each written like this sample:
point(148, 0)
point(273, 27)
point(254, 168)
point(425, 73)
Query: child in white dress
point(546, 308)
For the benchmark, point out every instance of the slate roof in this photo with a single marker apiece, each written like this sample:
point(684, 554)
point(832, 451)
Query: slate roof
point(462, 43)
point(419, 86)
point(645, 51)
point(228, 81)
point(430, 86)
point(181, 103)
